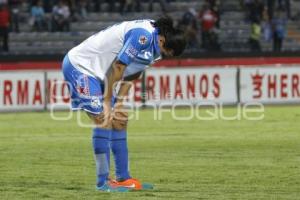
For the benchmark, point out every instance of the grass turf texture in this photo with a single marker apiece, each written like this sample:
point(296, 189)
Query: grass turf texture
point(41, 158)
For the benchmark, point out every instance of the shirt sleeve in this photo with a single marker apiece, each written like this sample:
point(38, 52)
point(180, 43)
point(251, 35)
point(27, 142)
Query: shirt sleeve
point(136, 40)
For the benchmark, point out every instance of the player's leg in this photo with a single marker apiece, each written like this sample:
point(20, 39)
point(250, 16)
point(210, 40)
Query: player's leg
point(119, 144)
point(101, 146)
point(101, 133)
point(86, 94)
point(120, 151)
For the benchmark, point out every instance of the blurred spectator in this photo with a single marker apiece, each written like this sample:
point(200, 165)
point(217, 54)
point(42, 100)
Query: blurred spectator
point(81, 12)
point(48, 4)
point(112, 5)
point(188, 24)
point(130, 6)
point(73, 5)
point(256, 15)
point(15, 14)
point(270, 8)
point(38, 16)
point(247, 5)
point(163, 5)
point(123, 5)
point(208, 20)
point(279, 30)
point(4, 25)
point(267, 28)
point(97, 5)
point(24, 6)
point(61, 16)
point(136, 5)
point(256, 11)
point(215, 6)
point(285, 5)
point(254, 40)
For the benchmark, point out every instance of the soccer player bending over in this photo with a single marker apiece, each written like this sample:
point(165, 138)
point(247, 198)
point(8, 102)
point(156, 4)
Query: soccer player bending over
point(120, 52)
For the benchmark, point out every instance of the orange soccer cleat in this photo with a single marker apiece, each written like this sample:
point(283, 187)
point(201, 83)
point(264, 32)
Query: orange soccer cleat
point(132, 184)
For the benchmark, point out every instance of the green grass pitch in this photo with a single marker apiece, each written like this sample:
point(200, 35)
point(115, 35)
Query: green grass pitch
point(41, 158)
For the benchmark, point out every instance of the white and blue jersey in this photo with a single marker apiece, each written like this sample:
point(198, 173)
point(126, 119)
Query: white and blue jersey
point(134, 43)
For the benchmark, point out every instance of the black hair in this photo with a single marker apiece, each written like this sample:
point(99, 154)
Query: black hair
point(175, 39)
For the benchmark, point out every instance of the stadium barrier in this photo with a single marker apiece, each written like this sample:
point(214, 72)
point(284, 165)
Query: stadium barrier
point(26, 90)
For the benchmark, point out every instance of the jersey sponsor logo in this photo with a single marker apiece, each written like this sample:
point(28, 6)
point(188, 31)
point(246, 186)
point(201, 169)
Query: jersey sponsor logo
point(131, 51)
point(83, 91)
point(147, 55)
point(95, 102)
point(143, 40)
point(82, 85)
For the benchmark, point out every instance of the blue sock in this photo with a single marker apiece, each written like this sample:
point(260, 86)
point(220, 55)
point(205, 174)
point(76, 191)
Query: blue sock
point(120, 151)
point(101, 141)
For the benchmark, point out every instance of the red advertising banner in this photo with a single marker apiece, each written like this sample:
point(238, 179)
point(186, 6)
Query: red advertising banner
point(22, 91)
point(191, 85)
point(270, 84)
point(40, 90)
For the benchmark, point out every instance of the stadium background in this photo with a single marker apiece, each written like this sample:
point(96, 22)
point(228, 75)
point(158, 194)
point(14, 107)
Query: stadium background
point(238, 52)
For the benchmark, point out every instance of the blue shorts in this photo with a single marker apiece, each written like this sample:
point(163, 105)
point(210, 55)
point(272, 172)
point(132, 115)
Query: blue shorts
point(86, 91)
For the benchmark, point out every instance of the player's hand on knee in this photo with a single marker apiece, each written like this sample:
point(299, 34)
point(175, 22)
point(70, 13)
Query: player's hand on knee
point(100, 120)
point(103, 119)
point(120, 118)
point(107, 112)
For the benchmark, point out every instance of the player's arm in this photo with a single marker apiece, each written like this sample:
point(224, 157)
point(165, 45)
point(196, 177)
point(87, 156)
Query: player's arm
point(113, 76)
point(125, 86)
point(120, 115)
point(133, 76)
point(136, 40)
point(122, 93)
